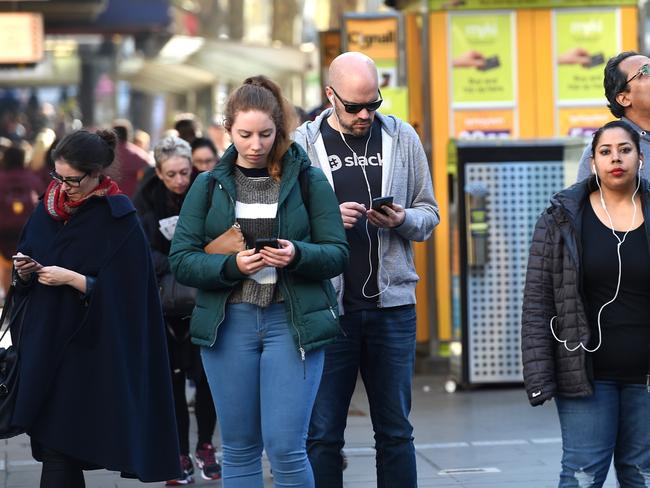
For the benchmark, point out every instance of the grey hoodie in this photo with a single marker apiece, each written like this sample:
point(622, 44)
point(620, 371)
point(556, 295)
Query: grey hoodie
point(584, 167)
point(405, 176)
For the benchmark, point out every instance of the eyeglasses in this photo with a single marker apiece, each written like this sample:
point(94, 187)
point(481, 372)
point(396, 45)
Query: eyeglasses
point(71, 181)
point(643, 71)
point(355, 108)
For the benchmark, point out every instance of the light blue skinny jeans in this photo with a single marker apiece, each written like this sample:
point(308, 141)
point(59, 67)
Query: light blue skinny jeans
point(614, 421)
point(263, 393)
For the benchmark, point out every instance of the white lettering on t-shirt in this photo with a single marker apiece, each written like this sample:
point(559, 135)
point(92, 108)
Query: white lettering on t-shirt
point(350, 161)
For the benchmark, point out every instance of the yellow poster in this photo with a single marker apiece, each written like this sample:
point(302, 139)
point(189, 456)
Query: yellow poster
point(484, 124)
point(585, 40)
point(481, 59)
point(582, 121)
point(375, 37)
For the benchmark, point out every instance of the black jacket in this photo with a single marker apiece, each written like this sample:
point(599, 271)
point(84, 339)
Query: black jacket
point(94, 373)
point(554, 289)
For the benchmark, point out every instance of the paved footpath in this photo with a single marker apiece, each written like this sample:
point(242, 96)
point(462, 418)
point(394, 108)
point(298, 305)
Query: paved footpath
point(487, 438)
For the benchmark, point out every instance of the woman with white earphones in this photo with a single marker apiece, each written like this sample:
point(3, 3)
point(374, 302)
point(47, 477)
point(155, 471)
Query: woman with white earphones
point(586, 315)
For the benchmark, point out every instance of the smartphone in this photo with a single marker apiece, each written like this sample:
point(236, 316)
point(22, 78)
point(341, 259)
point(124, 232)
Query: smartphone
point(379, 202)
point(265, 242)
point(490, 63)
point(18, 257)
point(596, 59)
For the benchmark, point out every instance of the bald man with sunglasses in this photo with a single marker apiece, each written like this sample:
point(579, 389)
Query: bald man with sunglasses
point(365, 155)
point(627, 89)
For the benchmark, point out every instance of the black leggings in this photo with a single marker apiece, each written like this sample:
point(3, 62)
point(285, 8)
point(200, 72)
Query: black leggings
point(61, 471)
point(206, 417)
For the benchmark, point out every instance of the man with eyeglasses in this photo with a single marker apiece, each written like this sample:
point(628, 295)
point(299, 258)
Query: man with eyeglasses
point(365, 155)
point(627, 89)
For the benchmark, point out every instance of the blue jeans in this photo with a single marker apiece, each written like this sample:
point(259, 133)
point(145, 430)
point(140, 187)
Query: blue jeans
point(381, 344)
point(263, 394)
point(615, 420)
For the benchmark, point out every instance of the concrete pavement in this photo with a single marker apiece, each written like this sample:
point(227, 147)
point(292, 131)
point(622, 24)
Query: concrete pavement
point(487, 437)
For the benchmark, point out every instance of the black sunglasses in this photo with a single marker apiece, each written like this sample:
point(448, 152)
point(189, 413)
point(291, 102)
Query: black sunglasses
point(355, 108)
point(71, 181)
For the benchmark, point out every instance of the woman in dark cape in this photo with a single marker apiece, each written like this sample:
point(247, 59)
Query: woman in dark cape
point(94, 387)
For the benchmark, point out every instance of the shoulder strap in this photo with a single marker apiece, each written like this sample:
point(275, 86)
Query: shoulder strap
point(4, 317)
point(303, 181)
point(212, 183)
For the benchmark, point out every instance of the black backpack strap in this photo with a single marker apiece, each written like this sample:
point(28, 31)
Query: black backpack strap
point(303, 181)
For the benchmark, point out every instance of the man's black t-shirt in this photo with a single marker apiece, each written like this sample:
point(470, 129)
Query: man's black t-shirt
point(624, 353)
point(350, 186)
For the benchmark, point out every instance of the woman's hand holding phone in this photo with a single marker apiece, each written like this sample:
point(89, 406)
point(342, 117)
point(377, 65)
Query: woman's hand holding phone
point(25, 265)
point(279, 257)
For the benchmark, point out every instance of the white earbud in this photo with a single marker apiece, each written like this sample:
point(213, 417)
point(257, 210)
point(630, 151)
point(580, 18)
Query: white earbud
point(640, 163)
point(593, 168)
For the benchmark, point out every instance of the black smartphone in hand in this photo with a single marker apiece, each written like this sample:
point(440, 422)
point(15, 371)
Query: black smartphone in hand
point(264, 242)
point(379, 202)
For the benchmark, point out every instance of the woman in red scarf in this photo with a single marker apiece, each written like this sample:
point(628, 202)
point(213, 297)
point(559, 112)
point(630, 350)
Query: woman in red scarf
point(94, 388)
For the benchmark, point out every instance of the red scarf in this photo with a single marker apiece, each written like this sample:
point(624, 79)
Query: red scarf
point(59, 206)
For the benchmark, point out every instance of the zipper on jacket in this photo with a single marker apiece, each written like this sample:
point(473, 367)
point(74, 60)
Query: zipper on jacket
point(223, 314)
point(282, 275)
point(301, 349)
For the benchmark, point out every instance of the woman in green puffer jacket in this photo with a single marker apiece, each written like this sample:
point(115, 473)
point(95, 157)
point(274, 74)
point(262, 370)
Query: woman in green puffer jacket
point(262, 315)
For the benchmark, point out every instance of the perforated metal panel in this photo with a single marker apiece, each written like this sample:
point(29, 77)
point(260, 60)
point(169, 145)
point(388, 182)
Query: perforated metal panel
point(517, 193)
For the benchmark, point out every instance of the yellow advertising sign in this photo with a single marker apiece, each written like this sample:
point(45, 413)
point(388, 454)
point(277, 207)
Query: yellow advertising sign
point(505, 4)
point(375, 37)
point(582, 121)
point(584, 42)
point(484, 124)
point(482, 59)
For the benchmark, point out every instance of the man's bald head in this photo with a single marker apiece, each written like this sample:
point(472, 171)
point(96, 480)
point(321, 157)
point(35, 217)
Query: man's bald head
point(351, 70)
point(352, 80)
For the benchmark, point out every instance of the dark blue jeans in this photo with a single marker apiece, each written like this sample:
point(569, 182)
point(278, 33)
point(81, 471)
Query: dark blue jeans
point(611, 422)
point(381, 344)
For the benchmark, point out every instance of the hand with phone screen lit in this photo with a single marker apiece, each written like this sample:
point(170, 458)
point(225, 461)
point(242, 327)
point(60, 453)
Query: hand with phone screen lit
point(25, 265)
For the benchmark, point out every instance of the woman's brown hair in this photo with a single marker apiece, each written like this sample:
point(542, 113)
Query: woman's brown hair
point(260, 93)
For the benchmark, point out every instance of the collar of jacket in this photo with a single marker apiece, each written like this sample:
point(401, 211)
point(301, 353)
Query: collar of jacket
point(642, 132)
point(389, 124)
point(572, 200)
point(294, 160)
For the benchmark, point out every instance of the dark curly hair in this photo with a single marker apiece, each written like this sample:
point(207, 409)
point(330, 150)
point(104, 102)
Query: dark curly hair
point(615, 82)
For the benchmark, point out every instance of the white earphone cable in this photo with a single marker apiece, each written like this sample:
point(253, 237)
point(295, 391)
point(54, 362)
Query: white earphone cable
point(620, 268)
point(379, 246)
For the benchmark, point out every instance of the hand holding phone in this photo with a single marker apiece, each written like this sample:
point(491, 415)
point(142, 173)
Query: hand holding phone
point(22, 261)
point(261, 243)
point(379, 202)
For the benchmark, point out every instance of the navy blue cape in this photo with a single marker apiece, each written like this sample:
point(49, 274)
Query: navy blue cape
point(94, 373)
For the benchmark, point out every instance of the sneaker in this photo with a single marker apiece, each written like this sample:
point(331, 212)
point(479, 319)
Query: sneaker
point(188, 470)
point(207, 463)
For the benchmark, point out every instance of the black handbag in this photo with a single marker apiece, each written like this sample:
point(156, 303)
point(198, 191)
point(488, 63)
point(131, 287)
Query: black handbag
point(177, 300)
point(12, 316)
